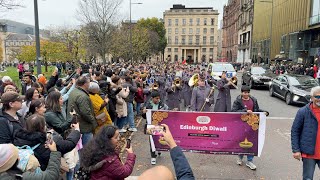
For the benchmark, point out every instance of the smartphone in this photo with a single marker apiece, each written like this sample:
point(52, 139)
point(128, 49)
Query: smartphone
point(128, 143)
point(155, 130)
point(49, 137)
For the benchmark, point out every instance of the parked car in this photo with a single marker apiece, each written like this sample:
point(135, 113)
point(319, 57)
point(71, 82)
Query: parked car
point(294, 89)
point(218, 68)
point(257, 77)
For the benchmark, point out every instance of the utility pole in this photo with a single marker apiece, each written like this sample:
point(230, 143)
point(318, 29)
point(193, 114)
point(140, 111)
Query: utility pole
point(36, 19)
point(131, 54)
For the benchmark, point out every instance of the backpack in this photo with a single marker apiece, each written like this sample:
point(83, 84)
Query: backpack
point(82, 174)
point(27, 158)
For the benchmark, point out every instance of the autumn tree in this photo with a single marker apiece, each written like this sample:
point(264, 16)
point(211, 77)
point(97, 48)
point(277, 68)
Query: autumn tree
point(98, 18)
point(1, 51)
point(156, 28)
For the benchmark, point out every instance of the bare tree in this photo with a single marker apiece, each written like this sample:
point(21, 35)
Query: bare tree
point(99, 18)
point(9, 4)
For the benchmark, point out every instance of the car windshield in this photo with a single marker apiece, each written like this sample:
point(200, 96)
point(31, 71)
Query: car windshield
point(303, 81)
point(257, 70)
point(222, 67)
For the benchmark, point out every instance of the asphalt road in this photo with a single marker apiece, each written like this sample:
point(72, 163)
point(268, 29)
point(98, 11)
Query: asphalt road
point(276, 161)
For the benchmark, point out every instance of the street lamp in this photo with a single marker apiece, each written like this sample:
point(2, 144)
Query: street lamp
point(131, 58)
point(36, 19)
point(271, 23)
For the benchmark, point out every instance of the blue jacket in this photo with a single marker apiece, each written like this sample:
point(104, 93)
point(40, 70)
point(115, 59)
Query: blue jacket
point(181, 164)
point(304, 131)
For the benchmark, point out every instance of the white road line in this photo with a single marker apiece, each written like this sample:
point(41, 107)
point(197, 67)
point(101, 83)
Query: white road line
point(280, 118)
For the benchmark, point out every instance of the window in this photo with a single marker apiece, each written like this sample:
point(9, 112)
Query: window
point(169, 50)
point(197, 40)
point(211, 50)
point(176, 40)
point(204, 40)
point(177, 22)
point(169, 40)
point(212, 30)
point(198, 30)
point(176, 31)
point(169, 30)
point(183, 40)
point(211, 40)
point(212, 21)
point(204, 30)
point(205, 21)
point(184, 22)
point(175, 49)
point(315, 12)
point(204, 50)
point(198, 21)
point(190, 31)
point(183, 30)
point(169, 22)
point(190, 40)
point(190, 22)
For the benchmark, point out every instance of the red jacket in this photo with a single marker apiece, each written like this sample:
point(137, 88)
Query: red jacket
point(113, 169)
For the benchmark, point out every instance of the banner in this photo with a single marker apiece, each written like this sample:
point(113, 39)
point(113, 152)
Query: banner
point(212, 133)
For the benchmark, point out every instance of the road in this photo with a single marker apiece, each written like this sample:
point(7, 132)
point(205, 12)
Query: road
point(276, 161)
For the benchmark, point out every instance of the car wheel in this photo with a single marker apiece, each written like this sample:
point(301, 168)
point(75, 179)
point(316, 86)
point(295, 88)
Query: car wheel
point(288, 98)
point(271, 92)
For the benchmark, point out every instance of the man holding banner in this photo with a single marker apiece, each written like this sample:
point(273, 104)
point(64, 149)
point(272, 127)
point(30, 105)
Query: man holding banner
point(246, 103)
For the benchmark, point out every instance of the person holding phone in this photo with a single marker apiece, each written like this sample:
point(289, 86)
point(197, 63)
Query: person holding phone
point(100, 156)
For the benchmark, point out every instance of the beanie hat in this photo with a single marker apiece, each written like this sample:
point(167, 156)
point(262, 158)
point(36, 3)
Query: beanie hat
point(8, 156)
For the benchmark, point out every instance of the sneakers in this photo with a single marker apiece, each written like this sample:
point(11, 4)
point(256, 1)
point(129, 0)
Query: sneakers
point(153, 161)
point(239, 161)
point(251, 165)
point(122, 130)
point(133, 129)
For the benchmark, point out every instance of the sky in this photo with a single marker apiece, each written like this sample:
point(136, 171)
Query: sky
point(57, 13)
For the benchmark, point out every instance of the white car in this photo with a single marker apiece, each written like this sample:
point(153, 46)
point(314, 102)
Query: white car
point(218, 68)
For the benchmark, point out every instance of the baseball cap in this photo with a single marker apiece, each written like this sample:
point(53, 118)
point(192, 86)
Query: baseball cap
point(10, 97)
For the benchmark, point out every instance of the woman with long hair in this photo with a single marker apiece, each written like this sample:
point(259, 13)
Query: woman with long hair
point(31, 94)
point(36, 133)
point(55, 118)
point(41, 89)
point(100, 154)
point(36, 107)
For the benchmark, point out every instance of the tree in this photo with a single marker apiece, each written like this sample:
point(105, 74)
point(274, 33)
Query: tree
point(99, 18)
point(155, 25)
point(1, 51)
point(9, 4)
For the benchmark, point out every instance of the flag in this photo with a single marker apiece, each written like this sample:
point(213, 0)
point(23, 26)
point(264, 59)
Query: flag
point(184, 62)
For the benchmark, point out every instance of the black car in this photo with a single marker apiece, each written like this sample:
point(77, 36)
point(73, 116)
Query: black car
point(257, 77)
point(293, 88)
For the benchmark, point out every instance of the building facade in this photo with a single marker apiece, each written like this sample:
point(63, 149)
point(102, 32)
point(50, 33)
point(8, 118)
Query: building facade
point(191, 34)
point(245, 31)
point(293, 27)
point(231, 13)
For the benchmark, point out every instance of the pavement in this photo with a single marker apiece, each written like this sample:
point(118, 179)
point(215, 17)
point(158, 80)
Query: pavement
point(276, 161)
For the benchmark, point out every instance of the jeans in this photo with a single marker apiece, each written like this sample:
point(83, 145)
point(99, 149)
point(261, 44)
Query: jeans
point(86, 137)
point(138, 108)
point(70, 174)
point(130, 117)
point(249, 157)
point(121, 122)
point(309, 167)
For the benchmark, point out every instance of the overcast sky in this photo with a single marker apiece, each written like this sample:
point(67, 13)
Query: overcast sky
point(63, 12)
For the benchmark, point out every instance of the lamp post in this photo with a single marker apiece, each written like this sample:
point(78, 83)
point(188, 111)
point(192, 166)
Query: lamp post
point(131, 57)
point(271, 23)
point(36, 19)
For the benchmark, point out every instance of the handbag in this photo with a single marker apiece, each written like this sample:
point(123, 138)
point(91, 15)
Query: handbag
point(27, 160)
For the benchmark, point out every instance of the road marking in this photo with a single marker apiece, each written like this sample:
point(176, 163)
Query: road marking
point(286, 135)
point(280, 118)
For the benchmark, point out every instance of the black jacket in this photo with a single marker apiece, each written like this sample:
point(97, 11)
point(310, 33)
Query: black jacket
point(8, 125)
point(23, 137)
point(238, 105)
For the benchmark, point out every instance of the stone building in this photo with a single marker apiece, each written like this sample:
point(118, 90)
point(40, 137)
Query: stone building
point(191, 34)
point(231, 13)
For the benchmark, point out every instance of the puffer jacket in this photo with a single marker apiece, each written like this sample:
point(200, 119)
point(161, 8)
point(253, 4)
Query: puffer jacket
point(23, 137)
point(79, 100)
point(113, 169)
point(304, 131)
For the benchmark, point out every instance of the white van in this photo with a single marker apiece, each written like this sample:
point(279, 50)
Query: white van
point(218, 68)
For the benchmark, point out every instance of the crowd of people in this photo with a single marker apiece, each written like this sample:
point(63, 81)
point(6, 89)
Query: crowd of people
point(72, 125)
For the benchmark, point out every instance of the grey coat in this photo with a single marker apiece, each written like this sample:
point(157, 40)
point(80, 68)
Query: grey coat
point(186, 91)
point(173, 96)
point(223, 102)
point(199, 95)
